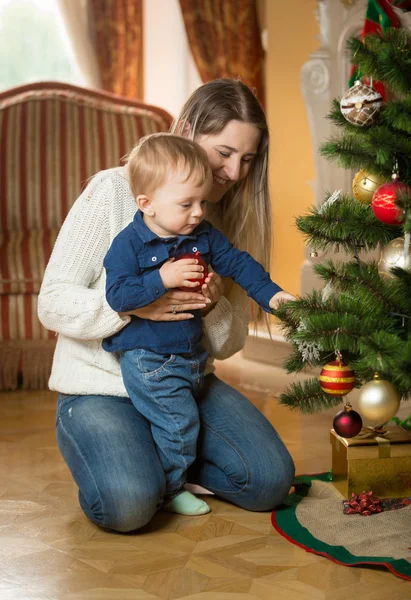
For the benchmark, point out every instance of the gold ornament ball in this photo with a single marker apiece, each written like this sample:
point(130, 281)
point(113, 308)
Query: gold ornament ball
point(365, 184)
point(392, 255)
point(379, 400)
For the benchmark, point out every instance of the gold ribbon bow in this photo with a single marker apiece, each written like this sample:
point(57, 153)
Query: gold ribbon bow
point(379, 435)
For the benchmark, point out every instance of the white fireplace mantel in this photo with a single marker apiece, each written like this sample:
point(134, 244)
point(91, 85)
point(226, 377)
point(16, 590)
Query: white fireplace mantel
point(324, 77)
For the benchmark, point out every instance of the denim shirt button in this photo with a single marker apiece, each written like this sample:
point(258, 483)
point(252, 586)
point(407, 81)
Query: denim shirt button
point(154, 258)
point(194, 248)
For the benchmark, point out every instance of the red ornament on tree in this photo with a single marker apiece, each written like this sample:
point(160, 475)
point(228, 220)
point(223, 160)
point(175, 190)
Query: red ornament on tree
point(337, 378)
point(199, 281)
point(347, 423)
point(383, 202)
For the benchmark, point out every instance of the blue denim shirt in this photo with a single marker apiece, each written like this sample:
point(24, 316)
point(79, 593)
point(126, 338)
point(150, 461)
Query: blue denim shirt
point(133, 280)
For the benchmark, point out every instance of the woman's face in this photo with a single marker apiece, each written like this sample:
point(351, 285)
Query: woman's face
point(230, 153)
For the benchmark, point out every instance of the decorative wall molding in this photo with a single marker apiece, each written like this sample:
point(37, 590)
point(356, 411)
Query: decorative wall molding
point(323, 77)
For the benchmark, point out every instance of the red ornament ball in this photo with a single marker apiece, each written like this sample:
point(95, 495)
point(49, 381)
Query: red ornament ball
point(337, 378)
point(198, 281)
point(347, 423)
point(383, 202)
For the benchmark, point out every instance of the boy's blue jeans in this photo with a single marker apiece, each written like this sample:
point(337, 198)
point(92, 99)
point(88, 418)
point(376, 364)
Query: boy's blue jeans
point(163, 388)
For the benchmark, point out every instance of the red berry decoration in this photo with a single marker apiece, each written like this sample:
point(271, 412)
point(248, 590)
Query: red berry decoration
point(347, 423)
point(199, 281)
point(337, 378)
point(383, 202)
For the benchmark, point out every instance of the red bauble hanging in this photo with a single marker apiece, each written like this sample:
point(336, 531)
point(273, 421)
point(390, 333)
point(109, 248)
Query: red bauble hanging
point(201, 262)
point(383, 202)
point(337, 378)
point(347, 423)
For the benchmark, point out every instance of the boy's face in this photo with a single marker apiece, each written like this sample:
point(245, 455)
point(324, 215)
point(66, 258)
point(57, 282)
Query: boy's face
point(176, 207)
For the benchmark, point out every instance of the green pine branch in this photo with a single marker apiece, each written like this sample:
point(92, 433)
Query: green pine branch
point(397, 115)
point(346, 224)
point(386, 58)
point(388, 354)
point(308, 397)
point(363, 282)
point(403, 284)
point(374, 149)
point(339, 322)
point(349, 155)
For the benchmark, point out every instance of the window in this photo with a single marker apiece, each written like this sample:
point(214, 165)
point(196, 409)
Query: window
point(34, 45)
point(170, 74)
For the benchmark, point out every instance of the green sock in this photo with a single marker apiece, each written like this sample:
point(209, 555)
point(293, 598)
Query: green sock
point(187, 504)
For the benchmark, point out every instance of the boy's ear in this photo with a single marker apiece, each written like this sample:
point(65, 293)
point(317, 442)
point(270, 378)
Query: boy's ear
point(144, 204)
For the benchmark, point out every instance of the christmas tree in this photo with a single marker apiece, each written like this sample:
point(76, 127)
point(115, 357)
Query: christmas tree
point(361, 319)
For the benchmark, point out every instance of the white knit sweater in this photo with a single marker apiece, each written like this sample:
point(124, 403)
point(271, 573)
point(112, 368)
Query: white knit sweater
point(72, 296)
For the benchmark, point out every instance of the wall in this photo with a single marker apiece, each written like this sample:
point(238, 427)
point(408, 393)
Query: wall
point(291, 31)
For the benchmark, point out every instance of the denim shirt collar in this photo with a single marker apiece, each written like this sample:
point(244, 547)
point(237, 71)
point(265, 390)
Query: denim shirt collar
point(147, 236)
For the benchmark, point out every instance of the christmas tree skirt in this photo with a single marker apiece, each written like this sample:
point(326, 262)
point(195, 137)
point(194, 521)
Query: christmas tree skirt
point(312, 518)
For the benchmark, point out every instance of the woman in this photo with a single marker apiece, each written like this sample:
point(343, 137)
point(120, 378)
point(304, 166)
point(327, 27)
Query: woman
point(106, 443)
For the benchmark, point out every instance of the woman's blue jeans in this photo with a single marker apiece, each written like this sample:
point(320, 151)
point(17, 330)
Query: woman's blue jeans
point(108, 446)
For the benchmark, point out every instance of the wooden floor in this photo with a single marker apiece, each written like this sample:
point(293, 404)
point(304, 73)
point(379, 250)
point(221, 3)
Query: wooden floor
point(50, 551)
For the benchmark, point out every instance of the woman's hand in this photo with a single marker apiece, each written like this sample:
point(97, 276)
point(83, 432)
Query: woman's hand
point(212, 289)
point(279, 298)
point(174, 305)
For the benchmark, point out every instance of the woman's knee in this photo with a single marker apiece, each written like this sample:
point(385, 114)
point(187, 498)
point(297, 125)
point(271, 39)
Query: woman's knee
point(267, 483)
point(124, 509)
point(274, 485)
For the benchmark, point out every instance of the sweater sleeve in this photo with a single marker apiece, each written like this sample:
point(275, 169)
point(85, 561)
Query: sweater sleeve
point(225, 328)
point(127, 287)
point(71, 299)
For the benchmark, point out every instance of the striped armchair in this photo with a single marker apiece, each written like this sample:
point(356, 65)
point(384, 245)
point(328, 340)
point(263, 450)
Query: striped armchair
point(53, 137)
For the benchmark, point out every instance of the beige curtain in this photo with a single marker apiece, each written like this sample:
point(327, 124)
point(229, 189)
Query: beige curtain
point(75, 16)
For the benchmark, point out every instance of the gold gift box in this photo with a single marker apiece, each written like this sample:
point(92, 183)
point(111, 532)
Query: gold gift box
point(381, 464)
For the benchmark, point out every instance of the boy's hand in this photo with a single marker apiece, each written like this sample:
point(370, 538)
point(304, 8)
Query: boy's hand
point(175, 274)
point(279, 298)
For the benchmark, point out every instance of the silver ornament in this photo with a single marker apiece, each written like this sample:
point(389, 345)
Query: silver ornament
point(379, 400)
point(392, 255)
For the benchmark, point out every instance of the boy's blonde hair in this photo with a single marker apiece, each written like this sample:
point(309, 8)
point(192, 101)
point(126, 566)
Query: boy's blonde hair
point(156, 155)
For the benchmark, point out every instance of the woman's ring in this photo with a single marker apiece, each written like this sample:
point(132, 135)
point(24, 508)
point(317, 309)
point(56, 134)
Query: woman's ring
point(174, 309)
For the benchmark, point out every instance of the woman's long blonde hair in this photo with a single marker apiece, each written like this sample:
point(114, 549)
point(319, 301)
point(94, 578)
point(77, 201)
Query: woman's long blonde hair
point(245, 208)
